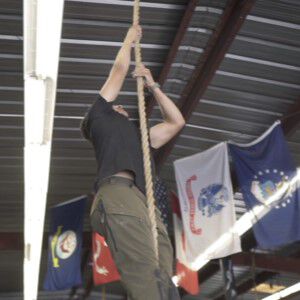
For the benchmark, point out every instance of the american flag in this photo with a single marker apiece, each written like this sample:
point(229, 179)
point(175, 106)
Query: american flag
point(161, 196)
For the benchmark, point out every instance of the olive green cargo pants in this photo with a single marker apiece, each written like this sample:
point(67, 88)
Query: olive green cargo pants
point(119, 213)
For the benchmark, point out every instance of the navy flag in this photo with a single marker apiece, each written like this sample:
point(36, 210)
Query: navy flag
point(268, 178)
point(65, 243)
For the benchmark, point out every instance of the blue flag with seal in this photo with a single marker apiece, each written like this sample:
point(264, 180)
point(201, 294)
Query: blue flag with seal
point(268, 179)
point(64, 246)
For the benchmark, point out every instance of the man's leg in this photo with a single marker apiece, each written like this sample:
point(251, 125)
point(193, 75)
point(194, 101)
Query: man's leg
point(166, 257)
point(122, 218)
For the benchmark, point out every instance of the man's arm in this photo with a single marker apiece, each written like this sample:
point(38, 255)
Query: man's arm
point(118, 72)
point(173, 122)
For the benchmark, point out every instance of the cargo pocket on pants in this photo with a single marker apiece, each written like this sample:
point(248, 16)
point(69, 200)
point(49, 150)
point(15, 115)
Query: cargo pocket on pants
point(100, 224)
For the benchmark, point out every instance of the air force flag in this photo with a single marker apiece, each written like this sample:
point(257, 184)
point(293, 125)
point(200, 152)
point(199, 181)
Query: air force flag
point(268, 180)
point(65, 241)
point(206, 202)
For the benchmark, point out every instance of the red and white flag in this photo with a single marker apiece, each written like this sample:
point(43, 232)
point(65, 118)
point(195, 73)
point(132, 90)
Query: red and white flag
point(104, 268)
point(185, 277)
point(206, 204)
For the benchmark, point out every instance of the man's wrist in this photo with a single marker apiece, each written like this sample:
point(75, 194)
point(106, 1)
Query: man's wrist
point(151, 87)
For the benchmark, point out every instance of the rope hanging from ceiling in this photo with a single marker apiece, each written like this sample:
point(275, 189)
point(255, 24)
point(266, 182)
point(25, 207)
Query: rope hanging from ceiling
point(145, 134)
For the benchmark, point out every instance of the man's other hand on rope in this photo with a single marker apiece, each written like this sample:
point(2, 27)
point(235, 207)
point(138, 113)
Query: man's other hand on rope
point(173, 120)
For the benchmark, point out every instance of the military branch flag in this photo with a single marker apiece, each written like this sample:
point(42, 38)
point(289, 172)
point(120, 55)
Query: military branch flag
point(185, 277)
point(104, 268)
point(206, 202)
point(65, 243)
point(268, 178)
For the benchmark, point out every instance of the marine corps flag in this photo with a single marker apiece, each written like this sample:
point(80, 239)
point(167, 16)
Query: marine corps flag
point(104, 268)
point(206, 203)
point(268, 179)
point(64, 247)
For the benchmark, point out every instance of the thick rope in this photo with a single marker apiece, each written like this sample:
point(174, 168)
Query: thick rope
point(145, 135)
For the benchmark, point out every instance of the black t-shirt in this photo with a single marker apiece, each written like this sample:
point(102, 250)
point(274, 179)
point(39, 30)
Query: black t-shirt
point(116, 142)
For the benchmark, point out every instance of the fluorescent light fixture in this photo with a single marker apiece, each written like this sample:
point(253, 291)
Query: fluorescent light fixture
point(244, 223)
point(42, 32)
point(283, 294)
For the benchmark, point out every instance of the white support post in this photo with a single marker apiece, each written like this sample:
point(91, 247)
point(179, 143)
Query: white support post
point(42, 33)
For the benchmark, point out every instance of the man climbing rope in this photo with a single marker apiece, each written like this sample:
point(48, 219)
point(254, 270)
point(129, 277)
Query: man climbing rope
point(119, 211)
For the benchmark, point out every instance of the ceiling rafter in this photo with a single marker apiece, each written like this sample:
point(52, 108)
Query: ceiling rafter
point(248, 242)
point(15, 240)
point(184, 24)
point(262, 276)
point(291, 122)
point(267, 262)
point(229, 25)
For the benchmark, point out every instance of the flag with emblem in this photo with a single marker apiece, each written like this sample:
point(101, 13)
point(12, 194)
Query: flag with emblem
point(268, 180)
point(206, 203)
point(104, 268)
point(64, 246)
point(185, 277)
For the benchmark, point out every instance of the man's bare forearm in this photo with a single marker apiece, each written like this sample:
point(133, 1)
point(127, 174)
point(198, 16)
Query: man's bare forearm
point(123, 58)
point(113, 84)
point(169, 110)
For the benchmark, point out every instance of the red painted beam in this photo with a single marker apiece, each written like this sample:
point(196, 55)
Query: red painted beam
point(11, 241)
point(291, 122)
point(230, 23)
point(184, 24)
point(263, 276)
point(15, 240)
point(267, 262)
point(248, 242)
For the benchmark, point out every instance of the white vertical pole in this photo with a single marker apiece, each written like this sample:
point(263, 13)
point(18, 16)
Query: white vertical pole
point(42, 32)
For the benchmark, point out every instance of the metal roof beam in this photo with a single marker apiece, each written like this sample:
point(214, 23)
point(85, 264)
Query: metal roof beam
point(230, 23)
point(14, 241)
point(183, 27)
point(261, 277)
point(291, 122)
point(267, 262)
point(248, 242)
point(130, 3)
